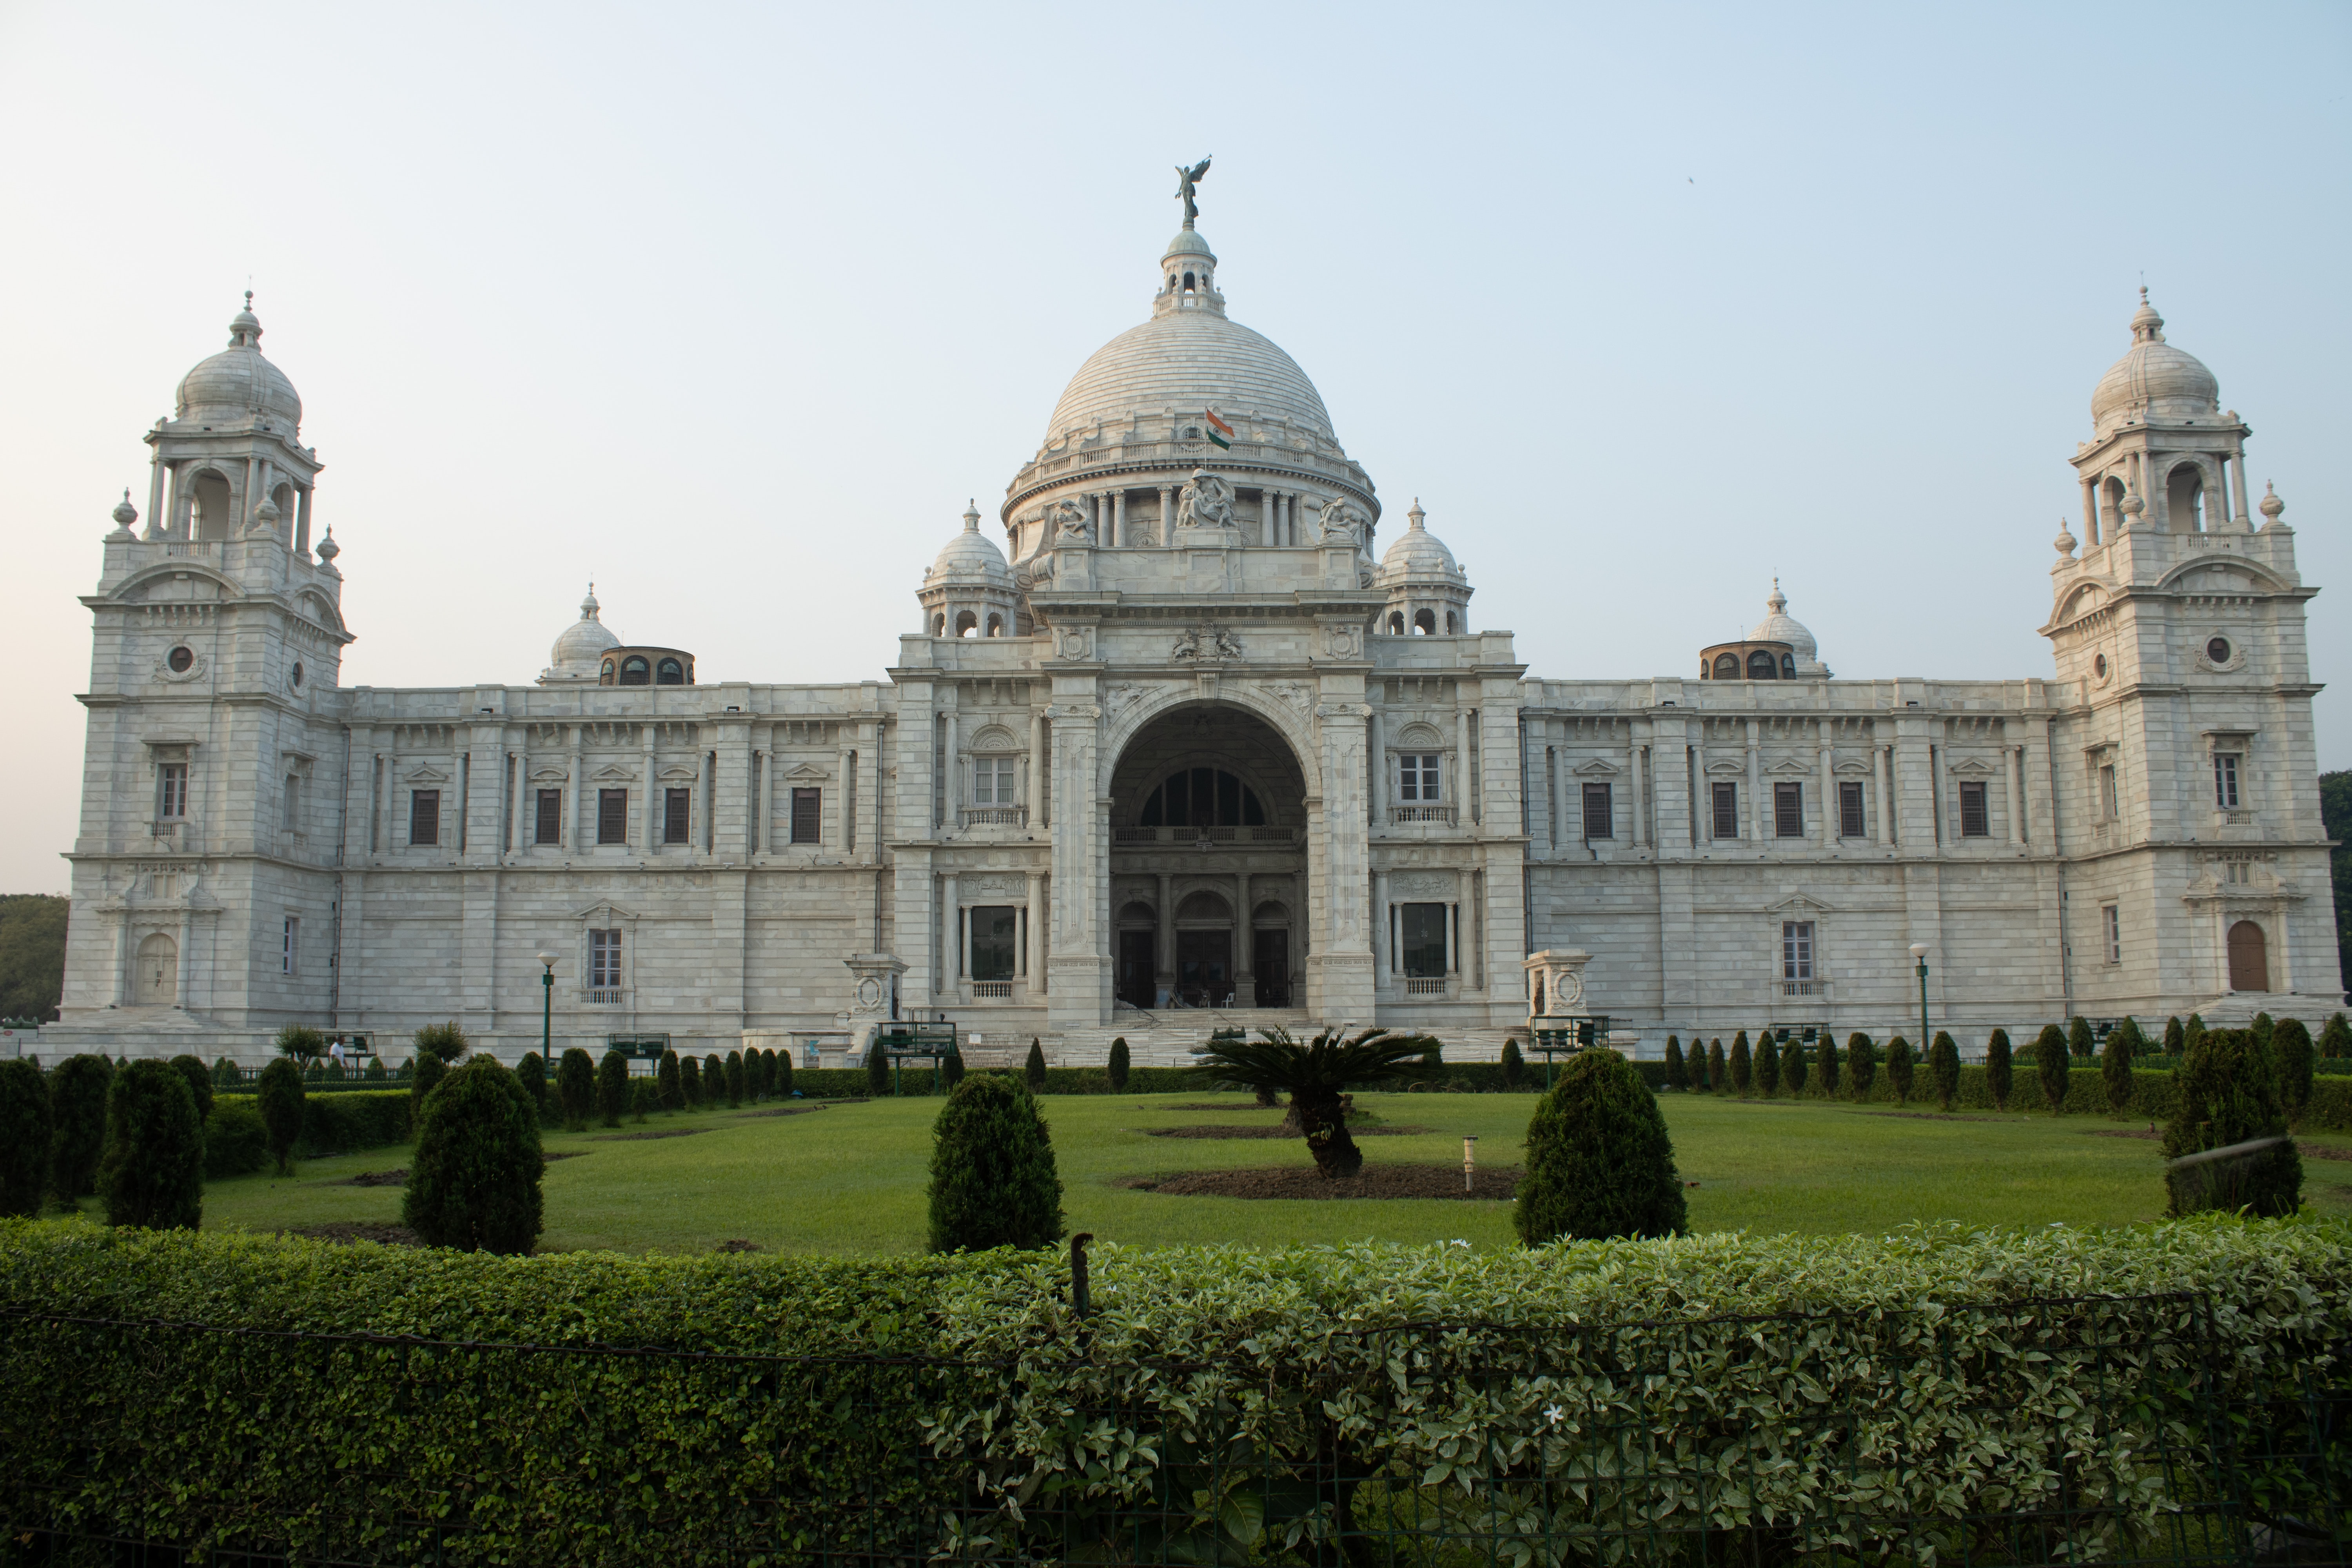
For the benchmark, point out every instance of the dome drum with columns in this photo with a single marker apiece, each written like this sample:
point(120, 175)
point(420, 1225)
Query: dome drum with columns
point(1182, 750)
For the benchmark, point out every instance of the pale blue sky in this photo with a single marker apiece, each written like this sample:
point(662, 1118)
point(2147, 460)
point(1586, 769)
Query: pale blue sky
point(734, 307)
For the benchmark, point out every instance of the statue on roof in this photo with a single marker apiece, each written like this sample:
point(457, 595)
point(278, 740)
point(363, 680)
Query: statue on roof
point(1205, 502)
point(1186, 179)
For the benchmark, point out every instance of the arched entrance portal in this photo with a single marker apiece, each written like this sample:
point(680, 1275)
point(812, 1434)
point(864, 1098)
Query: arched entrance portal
point(2250, 959)
point(155, 975)
point(1208, 860)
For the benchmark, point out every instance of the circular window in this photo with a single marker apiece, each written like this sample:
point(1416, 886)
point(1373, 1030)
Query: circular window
point(2217, 650)
point(298, 672)
point(179, 659)
point(2099, 666)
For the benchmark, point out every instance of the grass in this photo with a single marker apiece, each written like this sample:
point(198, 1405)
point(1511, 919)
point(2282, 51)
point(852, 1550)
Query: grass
point(850, 1179)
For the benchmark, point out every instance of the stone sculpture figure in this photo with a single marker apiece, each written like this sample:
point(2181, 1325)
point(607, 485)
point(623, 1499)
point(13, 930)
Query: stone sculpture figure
point(1186, 180)
point(1342, 524)
point(1072, 523)
point(1206, 502)
point(1227, 644)
point(1188, 646)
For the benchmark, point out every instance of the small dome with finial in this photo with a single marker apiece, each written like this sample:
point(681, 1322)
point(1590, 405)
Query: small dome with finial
point(581, 644)
point(328, 548)
point(970, 558)
point(1418, 555)
point(2153, 380)
point(1779, 627)
point(2066, 542)
point(237, 382)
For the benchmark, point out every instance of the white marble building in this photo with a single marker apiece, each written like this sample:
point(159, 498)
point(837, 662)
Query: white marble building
point(1177, 734)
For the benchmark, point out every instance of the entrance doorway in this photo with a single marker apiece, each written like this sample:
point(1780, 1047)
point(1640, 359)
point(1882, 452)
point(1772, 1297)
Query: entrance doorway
point(1271, 964)
point(2250, 959)
point(1134, 984)
point(1204, 968)
point(155, 979)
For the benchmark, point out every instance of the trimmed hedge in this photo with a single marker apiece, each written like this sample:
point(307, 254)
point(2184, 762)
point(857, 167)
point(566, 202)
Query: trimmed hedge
point(531, 1452)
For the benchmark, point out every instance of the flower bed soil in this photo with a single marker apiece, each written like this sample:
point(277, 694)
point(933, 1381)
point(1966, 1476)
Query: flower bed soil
point(788, 1110)
point(636, 1137)
point(1494, 1182)
point(398, 1178)
point(1214, 1130)
point(1236, 1103)
point(389, 1232)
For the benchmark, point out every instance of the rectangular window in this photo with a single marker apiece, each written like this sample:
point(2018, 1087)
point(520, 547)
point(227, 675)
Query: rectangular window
point(612, 816)
point(1417, 778)
point(171, 792)
point(1976, 822)
point(677, 808)
point(291, 951)
point(992, 781)
point(995, 941)
point(806, 805)
point(425, 816)
point(1424, 941)
point(2225, 781)
point(604, 960)
point(1787, 811)
point(2109, 806)
point(1726, 811)
point(2111, 925)
point(1796, 950)
point(1850, 818)
point(293, 804)
point(550, 826)
point(1597, 823)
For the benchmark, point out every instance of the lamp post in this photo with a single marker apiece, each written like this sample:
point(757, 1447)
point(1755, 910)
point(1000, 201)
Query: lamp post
point(546, 1000)
point(1919, 952)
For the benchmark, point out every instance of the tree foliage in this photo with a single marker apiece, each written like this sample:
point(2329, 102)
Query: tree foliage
point(1999, 1069)
point(612, 1087)
point(300, 1043)
point(1034, 1066)
point(2229, 1090)
point(32, 955)
point(2116, 1063)
point(575, 1087)
point(152, 1175)
point(1599, 1161)
point(690, 1082)
point(1944, 1069)
point(2336, 1035)
point(2175, 1037)
point(1117, 1070)
point(78, 1123)
point(1792, 1065)
point(735, 1085)
point(1742, 1070)
point(1861, 1064)
point(1899, 1067)
point(474, 1179)
point(428, 1073)
point(446, 1041)
point(878, 1070)
point(24, 1137)
point(1767, 1063)
point(1515, 1066)
point(667, 1082)
point(2052, 1062)
point(2291, 1043)
point(281, 1100)
point(531, 1073)
point(1718, 1068)
point(2079, 1044)
point(1315, 1074)
point(784, 1071)
point(993, 1182)
point(1677, 1070)
point(200, 1082)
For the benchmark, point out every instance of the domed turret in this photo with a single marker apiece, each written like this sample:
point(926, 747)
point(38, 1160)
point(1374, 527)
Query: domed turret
point(579, 648)
point(1778, 626)
point(969, 590)
point(1427, 592)
point(237, 382)
point(2153, 380)
point(1777, 648)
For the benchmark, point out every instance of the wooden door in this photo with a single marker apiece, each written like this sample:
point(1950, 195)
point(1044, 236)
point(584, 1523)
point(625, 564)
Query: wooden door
point(2250, 959)
point(155, 979)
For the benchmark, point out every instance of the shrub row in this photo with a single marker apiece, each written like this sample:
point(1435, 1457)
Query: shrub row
point(1287, 1351)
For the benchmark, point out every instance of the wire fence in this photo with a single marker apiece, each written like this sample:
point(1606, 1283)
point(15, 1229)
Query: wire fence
point(2121, 1431)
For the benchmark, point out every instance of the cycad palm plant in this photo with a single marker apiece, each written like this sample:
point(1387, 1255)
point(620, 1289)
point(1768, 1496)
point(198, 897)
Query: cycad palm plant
point(1315, 1074)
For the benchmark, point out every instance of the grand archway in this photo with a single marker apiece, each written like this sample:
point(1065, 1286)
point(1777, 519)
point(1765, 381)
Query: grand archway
point(1208, 862)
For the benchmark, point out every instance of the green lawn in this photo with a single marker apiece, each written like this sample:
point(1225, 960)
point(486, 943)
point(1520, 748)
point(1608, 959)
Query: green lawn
point(850, 1178)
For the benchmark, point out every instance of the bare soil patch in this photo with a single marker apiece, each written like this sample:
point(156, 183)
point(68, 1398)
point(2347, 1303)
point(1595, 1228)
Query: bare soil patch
point(1930, 1116)
point(1494, 1182)
point(1238, 1102)
point(2316, 1151)
point(788, 1110)
point(640, 1137)
point(738, 1246)
point(567, 1154)
point(2151, 1134)
point(389, 1232)
point(1215, 1130)
point(378, 1179)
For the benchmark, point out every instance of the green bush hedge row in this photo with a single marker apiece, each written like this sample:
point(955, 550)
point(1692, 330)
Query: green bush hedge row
point(550, 1456)
point(2152, 1100)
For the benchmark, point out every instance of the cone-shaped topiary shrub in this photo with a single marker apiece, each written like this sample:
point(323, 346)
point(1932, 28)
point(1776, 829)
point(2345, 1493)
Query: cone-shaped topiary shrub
point(1117, 1068)
point(2191, 1033)
point(152, 1175)
point(1861, 1064)
point(994, 1182)
point(1831, 1070)
point(612, 1088)
point(1768, 1065)
point(877, 1071)
point(473, 1181)
point(1718, 1068)
point(2051, 1064)
point(1899, 1068)
point(1944, 1069)
point(1677, 1070)
point(375, 1073)
point(714, 1080)
point(1999, 1069)
point(224, 1074)
point(772, 1064)
point(1743, 1071)
point(282, 1099)
point(1515, 1066)
point(690, 1082)
point(78, 1123)
point(446, 1041)
point(2228, 1086)
point(2291, 1043)
point(2262, 1026)
point(1792, 1065)
point(200, 1083)
point(2079, 1044)
point(734, 1080)
point(952, 1069)
point(24, 1137)
point(575, 1087)
point(784, 1071)
point(2334, 1037)
point(429, 1071)
point(1033, 1069)
point(2175, 1037)
point(530, 1074)
point(2116, 1064)
point(643, 1096)
point(1599, 1161)
point(667, 1082)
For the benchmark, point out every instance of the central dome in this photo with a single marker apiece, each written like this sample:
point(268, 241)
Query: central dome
point(1187, 361)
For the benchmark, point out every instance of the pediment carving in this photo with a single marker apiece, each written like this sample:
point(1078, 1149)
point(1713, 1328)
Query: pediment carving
point(1595, 767)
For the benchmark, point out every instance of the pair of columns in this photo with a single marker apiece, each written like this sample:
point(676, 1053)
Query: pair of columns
point(1245, 934)
point(1278, 525)
point(1031, 962)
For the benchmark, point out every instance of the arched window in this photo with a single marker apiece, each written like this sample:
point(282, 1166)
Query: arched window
point(1203, 906)
point(1396, 622)
point(967, 624)
point(1424, 623)
point(938, 625)
point(2111, 508)
point(1788, 666)
point(606, 675)
point(2184, 499)
point(1138, 913)
point(1762, 665)
point(1188, 283)
point(996, 626)
point(1202, 797)
point(211, 511)
point(1452, 627)
point(635, 671)
point(1727, 666)
point(669, 673)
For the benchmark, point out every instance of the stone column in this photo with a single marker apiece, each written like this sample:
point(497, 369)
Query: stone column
point(1164, 946)
point(2013, 776)
point(1376, 768)
point(1037, 770)
point(645, 772)
point(578, 835)
point(252, 500)
point(1167, 517)
point(951, 936)
point(845, 816)
point(2091, 513)
point(764, 837)
point(1637, 795)
point(1829, 784)
point(1465, 786)
point(155, 493)
point(1454, 941)
point(1033, 960)
point(951, 784)
point(176, 521)
point(1244, 945)
point(1118, 519)
point(1561, 780)
point(1886, 801)
point(1755, 784)
point(1383, 930)
point(2238, 483)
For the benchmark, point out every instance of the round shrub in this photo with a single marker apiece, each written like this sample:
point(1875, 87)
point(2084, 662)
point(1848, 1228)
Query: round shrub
point(575, 1087)
point(994, 1182)
point(2000, 1071)
point(375, 1073)
point(1792, 1065)
point(446, 1041)
point(24, 1137)
point(1677, 1070)
point(2291, 1043)
point(690, 1082)
point(473, 1181)
point(152, 1177)
point(1944, 1069)
point(1118, 1069)
point(430, 1069)
point(878, 1070)
point(78, 1124)
point(2051, 1064)
point(1743, 1071)
point(531, 1074)
point(734, 1080)
point(200, 1082)
point(1829, 1064)
point(1599, 1161)
point(1515, 1066)
point(237, 1140)
point(2228, 1087)
point(1033, 1068)
point(1861, 1064)
point(281, 1108)
point(1768, 1064)
point(2334, 1037)
point(667, 1083)
point(2116, 1064)
point(612, 1088)
point(1898, 1068)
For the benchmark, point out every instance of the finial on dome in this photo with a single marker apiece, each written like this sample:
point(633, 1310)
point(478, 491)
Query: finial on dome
point(244, 328)
point(2146, 326)
point(970, 515)
point(2066, 542)
point(1779, 602)
point(1416, 514)
point(328, 548)
point(125, 514)
point(2270, 506)
point(589, 606)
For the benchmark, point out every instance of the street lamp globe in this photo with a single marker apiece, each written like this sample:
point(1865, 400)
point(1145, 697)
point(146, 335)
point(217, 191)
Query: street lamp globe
point(1918, 951)
point(549, 959)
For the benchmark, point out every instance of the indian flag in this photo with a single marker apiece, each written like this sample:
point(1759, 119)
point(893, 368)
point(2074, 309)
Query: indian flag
point(1219, 431)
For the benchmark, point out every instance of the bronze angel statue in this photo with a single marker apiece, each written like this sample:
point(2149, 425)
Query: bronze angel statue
point(1186, 179)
